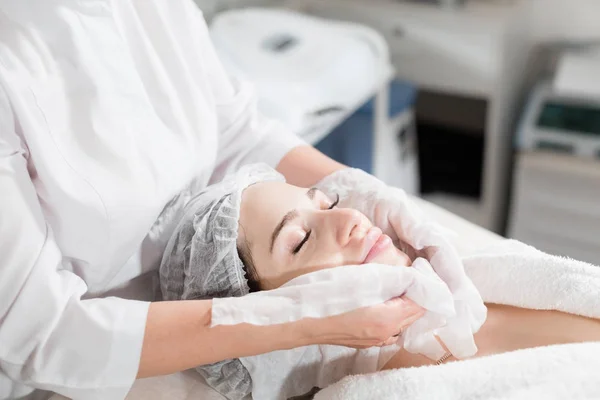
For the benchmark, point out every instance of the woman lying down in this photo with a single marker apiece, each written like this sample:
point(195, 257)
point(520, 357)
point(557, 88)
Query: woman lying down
point(257, 233)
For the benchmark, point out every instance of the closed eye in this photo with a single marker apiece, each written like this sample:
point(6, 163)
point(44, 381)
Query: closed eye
point(335, 203)
point(299, 247)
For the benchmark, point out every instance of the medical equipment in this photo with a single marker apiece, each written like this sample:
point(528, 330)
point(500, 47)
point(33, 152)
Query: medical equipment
point(310, 73)
point(577, 71)
point(555, 203)
point(351, 143)
point(483, 54)
point(402, 166)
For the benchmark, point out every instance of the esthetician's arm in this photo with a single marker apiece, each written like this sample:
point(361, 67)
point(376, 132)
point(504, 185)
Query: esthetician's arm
point(304, 166)
point(178, 335)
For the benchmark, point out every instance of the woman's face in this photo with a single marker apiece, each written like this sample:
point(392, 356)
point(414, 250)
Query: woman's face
point(290, 231)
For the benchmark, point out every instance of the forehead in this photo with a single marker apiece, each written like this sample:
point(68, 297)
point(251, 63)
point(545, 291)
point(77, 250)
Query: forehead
point(264, 205)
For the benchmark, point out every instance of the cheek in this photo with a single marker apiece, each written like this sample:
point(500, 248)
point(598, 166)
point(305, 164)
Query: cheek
point(322, 257)
point(284, 267)
point(329, 254)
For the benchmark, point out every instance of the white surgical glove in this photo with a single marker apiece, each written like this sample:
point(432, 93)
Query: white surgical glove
point(392, 210)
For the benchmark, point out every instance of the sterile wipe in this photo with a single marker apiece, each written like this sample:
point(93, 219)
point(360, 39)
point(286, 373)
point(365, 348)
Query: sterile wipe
point(328, 292)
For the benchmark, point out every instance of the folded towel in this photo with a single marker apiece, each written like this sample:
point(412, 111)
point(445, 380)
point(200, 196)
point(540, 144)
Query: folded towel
point(515, 274)
point(553, 372)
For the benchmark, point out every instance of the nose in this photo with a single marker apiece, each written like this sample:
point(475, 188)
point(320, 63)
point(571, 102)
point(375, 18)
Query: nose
point(344, 221)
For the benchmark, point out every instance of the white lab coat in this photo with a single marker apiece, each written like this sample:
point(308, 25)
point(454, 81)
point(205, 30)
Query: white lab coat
point(108, 109)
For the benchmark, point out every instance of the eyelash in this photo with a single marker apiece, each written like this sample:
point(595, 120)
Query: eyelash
point(297, 249)
point(335, 203)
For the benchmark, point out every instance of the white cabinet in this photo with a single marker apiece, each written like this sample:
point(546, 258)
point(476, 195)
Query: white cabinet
point(555, 204)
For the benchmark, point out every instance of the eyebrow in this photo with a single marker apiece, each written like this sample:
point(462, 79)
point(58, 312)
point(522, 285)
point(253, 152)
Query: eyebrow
point(290, 216)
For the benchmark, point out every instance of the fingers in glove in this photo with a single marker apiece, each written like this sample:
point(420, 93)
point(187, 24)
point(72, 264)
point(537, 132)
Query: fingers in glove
point(405, 312)
point(408, 322)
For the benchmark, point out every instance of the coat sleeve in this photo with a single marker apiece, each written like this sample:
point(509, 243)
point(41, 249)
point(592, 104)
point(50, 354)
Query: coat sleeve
point(49, 337)
point(245, 135)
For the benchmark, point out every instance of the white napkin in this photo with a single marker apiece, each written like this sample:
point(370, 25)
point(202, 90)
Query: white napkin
point(282, 374)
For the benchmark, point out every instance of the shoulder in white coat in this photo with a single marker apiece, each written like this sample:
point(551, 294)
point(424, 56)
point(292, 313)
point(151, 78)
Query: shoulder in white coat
point(108, 109)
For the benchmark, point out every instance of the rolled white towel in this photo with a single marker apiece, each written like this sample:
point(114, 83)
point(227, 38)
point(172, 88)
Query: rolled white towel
point(554, 372)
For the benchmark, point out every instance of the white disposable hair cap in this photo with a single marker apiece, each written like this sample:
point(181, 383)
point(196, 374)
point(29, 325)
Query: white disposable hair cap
point(201, 261)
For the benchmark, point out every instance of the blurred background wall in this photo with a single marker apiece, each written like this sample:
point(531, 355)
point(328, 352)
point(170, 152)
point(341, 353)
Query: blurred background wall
point(493, 111)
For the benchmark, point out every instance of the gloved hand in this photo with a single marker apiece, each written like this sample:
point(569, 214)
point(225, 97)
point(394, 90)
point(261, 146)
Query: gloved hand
point(413, 232)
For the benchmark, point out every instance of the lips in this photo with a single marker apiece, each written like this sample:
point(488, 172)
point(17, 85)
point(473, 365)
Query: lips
point(374, 243)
